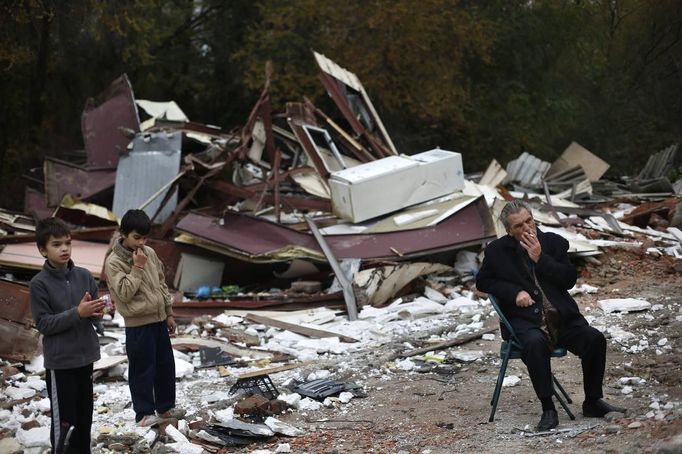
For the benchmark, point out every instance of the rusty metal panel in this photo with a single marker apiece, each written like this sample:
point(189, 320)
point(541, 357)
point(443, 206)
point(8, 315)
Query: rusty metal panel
point(26, 256)
point(14, 303)
point(35, 203)
point(261, 240)
point(102, 120)
point(169, 253)
point(17, 341)
point(65, 178)
point(254, 192)
point(192, 309)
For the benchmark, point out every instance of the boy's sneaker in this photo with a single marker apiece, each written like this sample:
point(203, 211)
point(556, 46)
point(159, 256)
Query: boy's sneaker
point(174, 413)
point(150, 421)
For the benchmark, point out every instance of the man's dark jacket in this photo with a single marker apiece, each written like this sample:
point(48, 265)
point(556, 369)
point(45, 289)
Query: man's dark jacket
point(505, 272)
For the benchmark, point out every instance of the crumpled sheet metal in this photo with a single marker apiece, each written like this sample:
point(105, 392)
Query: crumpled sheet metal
point(63, 178)
point(103, 121)
point(259, 240)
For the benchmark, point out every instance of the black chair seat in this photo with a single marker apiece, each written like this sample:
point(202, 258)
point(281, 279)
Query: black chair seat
point(516, 351)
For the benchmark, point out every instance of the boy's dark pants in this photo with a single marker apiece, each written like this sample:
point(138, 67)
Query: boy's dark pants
point(70, 393)
point(151, 369)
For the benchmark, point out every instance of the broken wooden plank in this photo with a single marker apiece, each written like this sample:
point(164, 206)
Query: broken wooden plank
point(273, 370)
point(302, 330)
point(452, 342)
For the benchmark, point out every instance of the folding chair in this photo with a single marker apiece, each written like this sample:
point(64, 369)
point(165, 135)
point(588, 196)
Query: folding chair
point(511, 349)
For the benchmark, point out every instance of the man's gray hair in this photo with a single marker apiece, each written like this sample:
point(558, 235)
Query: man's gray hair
point(513, 207)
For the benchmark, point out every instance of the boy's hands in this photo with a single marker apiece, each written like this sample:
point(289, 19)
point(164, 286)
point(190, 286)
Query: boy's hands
point(139, 259)
point(89, 307)
point(172, 326)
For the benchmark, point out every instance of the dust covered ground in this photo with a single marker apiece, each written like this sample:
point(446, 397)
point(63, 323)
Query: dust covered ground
point(431, 412)
point(419, 406)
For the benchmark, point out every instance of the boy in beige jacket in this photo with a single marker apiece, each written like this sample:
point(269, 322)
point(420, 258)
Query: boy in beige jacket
point(138, 287)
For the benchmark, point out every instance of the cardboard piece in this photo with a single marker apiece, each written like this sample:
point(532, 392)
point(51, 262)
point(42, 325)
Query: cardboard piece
point(577, 155)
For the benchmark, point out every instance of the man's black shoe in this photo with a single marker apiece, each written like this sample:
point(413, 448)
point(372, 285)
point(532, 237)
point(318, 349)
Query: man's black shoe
point(549, 420)
point(599, 408)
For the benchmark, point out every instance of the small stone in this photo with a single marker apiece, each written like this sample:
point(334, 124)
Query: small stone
point(198, 424)
point(612, 429)
point(613, 416)
point(634, 425)
point(30, 425)
point(102, 410)
point(119, 447)
point(283, 447)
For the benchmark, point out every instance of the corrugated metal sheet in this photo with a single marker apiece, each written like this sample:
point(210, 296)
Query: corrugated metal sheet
point(153, 161)
point(526, 170)
point(102, 120)
point(659, 164)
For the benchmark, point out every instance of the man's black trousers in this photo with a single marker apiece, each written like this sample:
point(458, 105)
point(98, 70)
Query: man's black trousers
point(583, 341)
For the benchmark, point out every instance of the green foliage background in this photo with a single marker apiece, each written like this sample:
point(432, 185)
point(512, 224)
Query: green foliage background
point(487, 78)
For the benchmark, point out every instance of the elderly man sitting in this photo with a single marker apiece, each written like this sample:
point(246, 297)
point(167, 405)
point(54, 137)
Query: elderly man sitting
point(530, 274)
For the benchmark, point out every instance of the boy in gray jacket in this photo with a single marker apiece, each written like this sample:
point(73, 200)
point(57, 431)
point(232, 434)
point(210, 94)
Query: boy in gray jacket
point(63, 300)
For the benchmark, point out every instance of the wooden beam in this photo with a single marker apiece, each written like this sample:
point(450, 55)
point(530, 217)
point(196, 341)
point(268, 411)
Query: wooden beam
point(273, 370)
point(451, 342)
point(302, 330)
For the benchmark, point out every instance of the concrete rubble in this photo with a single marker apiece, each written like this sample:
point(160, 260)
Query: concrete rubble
point(361, 300)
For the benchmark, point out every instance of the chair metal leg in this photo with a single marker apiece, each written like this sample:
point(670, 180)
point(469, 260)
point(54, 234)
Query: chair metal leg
point(563, 404)
point(498, 385)
point(561, 388)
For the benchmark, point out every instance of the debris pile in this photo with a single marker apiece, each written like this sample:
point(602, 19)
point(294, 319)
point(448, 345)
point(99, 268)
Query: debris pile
point(310, 260)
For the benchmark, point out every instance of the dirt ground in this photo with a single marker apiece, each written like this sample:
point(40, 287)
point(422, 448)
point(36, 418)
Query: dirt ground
point(413, 412)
